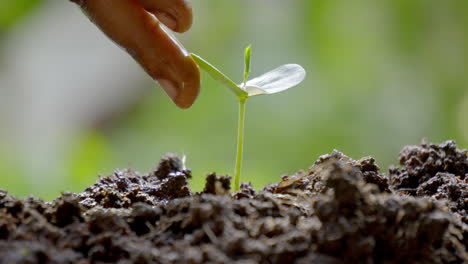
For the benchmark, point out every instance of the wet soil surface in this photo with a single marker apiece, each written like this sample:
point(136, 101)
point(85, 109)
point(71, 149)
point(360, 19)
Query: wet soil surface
point(339, 210)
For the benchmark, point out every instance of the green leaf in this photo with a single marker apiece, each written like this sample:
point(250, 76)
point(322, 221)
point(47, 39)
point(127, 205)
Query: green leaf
point(218, 75)
point(247, 63)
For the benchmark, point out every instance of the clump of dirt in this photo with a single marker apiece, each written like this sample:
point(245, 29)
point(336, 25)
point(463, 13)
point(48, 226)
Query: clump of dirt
point(338, 211)
point(438, 171)
point(125, 188)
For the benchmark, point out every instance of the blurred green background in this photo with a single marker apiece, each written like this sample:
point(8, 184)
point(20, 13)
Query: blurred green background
point(381, 74)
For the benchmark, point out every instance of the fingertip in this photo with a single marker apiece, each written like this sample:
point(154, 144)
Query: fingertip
point(182, 85)
point(175, 14)
point(168, 20)
point(187, 101)
point(190, 86)
point(185, 16)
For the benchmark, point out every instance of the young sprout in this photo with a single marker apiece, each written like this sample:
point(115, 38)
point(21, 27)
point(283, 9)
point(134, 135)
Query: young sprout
point(275, 81)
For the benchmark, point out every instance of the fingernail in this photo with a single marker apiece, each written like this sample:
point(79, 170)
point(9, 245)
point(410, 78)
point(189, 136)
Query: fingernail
point(169, 87)
point(167, 20)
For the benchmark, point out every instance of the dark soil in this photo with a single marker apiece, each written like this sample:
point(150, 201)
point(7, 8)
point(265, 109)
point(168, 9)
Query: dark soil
point(338, 211)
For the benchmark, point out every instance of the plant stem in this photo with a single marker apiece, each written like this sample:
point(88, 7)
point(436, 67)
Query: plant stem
point(240, 144)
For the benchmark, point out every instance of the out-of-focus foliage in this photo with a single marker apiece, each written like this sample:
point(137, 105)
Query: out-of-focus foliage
point(12, 11)
point(381, 74)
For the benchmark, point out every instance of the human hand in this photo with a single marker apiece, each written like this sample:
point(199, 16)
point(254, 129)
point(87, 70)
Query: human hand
point(135, 25)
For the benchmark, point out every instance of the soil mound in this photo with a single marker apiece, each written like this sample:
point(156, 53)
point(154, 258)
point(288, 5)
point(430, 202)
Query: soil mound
point(339, 210)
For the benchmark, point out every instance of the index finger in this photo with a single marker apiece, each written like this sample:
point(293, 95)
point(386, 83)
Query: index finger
point(142, 35)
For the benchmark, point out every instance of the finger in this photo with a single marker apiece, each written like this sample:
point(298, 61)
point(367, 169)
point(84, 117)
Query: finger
point(175, 14)
point(155, 49)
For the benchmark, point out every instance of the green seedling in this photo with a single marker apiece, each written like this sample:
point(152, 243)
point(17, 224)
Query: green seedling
point(275, 81)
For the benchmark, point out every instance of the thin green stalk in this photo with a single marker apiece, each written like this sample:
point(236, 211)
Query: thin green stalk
point(240, 144)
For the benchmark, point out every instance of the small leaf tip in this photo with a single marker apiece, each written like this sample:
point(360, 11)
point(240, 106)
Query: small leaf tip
point(247, 63)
